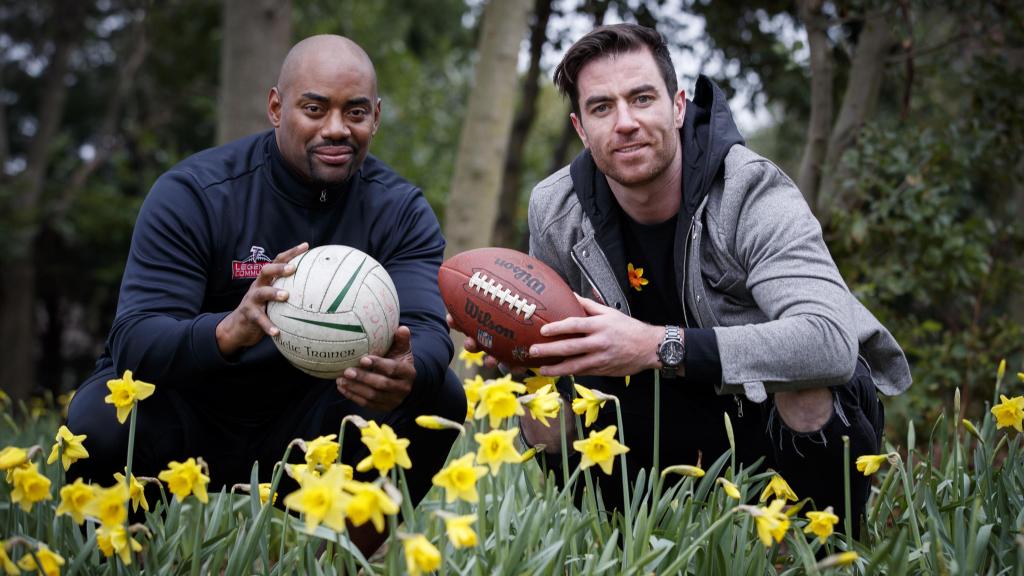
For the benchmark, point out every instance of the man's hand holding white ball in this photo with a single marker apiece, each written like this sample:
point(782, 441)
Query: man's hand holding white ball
point(382, 382)
point(248, 323)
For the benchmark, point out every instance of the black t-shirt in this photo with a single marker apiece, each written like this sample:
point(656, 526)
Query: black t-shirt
point(691, 409)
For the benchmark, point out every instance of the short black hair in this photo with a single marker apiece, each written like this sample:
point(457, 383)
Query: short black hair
point(608, 40)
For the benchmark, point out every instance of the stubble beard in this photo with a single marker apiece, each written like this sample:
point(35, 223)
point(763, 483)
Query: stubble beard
point(319, 180)
point(632, 177)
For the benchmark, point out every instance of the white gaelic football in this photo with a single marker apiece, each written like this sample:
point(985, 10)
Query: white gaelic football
point(341, 306)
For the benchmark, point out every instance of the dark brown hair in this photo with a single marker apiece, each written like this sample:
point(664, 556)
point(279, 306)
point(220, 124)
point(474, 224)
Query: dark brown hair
point(608, 40)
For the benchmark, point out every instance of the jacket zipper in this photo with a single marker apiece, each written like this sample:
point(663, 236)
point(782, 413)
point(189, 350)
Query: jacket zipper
point(686, 252)
point(576, 261)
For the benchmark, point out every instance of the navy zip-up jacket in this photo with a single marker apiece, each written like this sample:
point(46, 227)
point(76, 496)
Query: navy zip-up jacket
point(200, 234)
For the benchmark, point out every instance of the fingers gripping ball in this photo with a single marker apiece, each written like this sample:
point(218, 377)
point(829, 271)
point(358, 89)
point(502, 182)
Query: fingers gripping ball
point(502, 297)
point(342, 305)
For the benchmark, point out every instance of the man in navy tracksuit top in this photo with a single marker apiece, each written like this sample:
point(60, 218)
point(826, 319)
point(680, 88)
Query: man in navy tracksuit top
point(192, 311)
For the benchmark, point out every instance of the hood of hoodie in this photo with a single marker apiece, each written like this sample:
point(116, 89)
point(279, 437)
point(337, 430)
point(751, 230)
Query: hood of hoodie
point(708, 133)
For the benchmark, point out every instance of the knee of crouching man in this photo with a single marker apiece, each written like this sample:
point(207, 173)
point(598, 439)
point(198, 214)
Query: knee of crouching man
point(805, 410)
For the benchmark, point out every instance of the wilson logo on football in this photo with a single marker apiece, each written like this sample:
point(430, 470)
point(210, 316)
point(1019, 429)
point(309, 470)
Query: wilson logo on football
point(251, 266)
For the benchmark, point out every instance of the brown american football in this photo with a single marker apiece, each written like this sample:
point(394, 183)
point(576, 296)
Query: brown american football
point(501, 298)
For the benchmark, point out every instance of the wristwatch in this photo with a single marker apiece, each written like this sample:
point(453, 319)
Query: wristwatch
point(671, 351)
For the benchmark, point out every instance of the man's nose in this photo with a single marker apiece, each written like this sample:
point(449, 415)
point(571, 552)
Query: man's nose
point(625, 121)
point(334, 127)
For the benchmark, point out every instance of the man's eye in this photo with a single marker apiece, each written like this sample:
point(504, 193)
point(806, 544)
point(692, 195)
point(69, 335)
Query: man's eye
point(312, 108)
point(599, 109)
point(644, 99)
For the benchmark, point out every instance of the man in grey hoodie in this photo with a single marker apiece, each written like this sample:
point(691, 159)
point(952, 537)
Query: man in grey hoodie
point(700, 259)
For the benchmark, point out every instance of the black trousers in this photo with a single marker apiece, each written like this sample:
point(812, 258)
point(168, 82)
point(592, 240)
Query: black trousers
point(176, 425)
point(692, 429)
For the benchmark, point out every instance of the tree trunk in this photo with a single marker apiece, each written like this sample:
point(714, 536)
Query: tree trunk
point(472, 203)
point(257, 36)
point(506, 226)
point(17, 292)
point(476, 184)
point(822, 73)
point(866, 73)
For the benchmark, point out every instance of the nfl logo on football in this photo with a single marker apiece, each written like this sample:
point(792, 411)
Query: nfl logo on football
point(484, 339)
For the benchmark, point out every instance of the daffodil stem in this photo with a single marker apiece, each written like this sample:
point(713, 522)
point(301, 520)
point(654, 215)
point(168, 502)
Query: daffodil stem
point(565, 442)
point(196, 536)
point(848, 516)
point(657, 422)
point(627, 532)
point(128, 464)
point(392, 560)
point(914, 528)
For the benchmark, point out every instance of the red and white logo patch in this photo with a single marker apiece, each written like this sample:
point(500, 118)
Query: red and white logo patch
point(251, 266)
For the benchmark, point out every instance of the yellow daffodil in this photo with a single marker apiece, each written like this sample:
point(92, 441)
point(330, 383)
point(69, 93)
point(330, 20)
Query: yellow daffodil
point(498, 400)
point(1009, 412)
point(368, 503)
point(49, 562)
point(771, 522)
point(821, 523)
point(536, 382)
point(264, 488)
point(184, 478)
point(125, 392)
point(459, 479)
point(321, 500)
point(460, 534)
point(779, 488)
point(684, 470)
point(12, 457)
point(588, 402)
point(636, 277)
point(544, 404)
point(74, 500)
point(731, 490)
point(472, 358)
point(64, 401)
point(137, 492)
point(496, 447)
point(836, 560)
point(529, 454)
point(869, 464)
point(387, 450)
point(322, 451)
point(29, 486)
point(108, 505)
point(73, 449)
point(6, 564)
point(299, 471)
point(438, 423)
point(114, 539)
point(600, 448)
point(472, 386)
point(420, 555)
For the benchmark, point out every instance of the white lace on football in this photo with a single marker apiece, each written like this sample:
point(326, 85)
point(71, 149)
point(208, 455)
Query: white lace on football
point(516, 303)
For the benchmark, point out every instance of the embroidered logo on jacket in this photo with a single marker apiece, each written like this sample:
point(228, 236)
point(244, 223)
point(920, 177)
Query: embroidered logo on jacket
point(251, 266)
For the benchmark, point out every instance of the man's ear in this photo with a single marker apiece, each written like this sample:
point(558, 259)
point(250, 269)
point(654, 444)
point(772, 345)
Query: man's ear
point(376, 117)
point(274, 107)
point(578, 125)
point(680, 108)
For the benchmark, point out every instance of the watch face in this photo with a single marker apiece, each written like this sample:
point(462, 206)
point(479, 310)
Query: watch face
point(672, 353)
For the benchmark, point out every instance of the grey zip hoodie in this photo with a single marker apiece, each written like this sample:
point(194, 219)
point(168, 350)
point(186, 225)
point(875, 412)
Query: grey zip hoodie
point(749, 256)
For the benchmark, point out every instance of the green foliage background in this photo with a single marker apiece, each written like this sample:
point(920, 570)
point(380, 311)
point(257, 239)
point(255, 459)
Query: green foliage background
point(933, 245)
